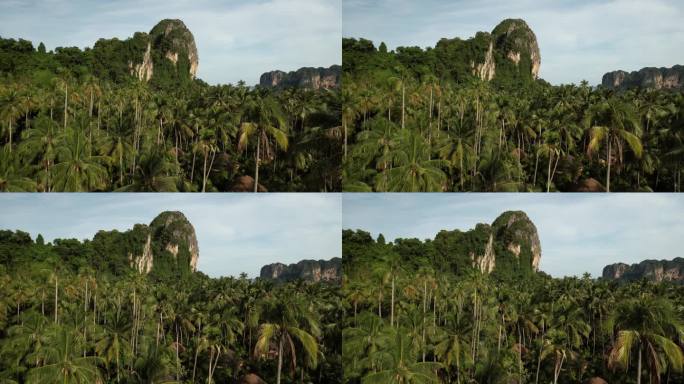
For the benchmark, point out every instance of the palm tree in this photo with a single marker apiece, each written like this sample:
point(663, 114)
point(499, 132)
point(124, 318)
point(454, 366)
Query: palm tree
point(265, 122)
point(400, 366)
point(153, 174)
point(10, 178)
point(289, 317)
point(206, 145)
point(11, 109)
point(648, 325)
point(611, 122)
point(41, 142)
point(64, 363)
point(76, 170)
point(414, 170)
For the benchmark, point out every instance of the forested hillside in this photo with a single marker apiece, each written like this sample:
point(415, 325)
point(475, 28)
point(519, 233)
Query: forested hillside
point(80, 312)
point(411, 316)
point(471, 115)
point(129, 116)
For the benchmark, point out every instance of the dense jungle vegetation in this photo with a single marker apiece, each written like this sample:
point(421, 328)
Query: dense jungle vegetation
point(410, 320)
point(76, 120)
point(66, 317)
point(418, 120)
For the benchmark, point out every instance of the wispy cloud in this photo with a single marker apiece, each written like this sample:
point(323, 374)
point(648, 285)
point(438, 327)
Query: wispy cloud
point(236, 40)
point(578, 232)
point(236, 233)
point(579, 40)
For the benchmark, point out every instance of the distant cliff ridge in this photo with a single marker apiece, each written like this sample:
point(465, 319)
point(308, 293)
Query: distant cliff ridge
point(307, 78)
point(646, 78)
point(654, 270)
point(308, 270)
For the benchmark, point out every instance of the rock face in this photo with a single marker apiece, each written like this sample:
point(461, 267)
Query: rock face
point(173, 232)
point(172, 40)
point(510, 51)
point(167, 53)
point(517, 43)
point(646, 78)
point(517, 233)
point(167, 246)
point(308, 270)
point(653, 270)
point(511, 243)
point(307, 78)
point(487, 261)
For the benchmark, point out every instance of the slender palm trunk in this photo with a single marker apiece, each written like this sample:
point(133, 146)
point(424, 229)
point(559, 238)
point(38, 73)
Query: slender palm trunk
point(639, 367)
point(56, 299)
point(403, 103)
point(392, 309)
point(66, 98)
point(10, 134)
point(608, 160)
point(280, 359)
point(344, 126)
point(548, 175)
point(256, 166)
point(204, 172)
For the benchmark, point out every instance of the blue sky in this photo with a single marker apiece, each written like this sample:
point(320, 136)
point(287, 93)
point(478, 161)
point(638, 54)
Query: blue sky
point(235, 232)
point(578, 232)
point(236, 39)
point(578, 39)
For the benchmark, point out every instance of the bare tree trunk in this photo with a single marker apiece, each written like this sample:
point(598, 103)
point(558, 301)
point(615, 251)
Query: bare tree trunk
point(608, 160)
point(256, 166)
point(392, 309)
point(56, 299)
point(66, 97)
point(280, 359)
point(639, 367)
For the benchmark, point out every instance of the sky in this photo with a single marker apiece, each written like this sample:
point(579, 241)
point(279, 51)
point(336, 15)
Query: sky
point(578, 232)
point(578, 39)
point(236, 39)
point(235, 232)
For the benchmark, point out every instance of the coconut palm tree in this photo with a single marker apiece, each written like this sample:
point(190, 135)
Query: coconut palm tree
point(400, 366)
point(63, 361)
point(265, 121)
point(290, 323)
point(75, 169)
point(615, 123)
point(647, 325)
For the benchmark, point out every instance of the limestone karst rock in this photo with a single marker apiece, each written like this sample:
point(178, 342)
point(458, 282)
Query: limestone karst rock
point(307, 78)
point(514, 40)
point(653, 270)
point(646, 78)
point(510, 51)
point(308, 270)
point(167, 53)
point(518, 234)
point(173, 232)
point(167, 246)
point(510, 243)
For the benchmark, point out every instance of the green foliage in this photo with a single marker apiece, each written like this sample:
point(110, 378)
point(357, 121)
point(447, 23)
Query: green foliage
point(66, 315)
point(435, 325)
